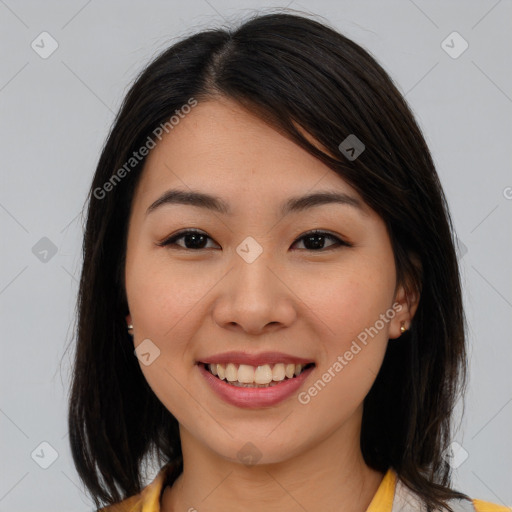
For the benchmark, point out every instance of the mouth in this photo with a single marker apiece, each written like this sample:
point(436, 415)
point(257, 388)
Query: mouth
point(262, 376)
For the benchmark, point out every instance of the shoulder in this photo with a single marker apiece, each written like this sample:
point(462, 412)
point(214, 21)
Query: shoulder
point(485, 506)
point(132, 504)
point(406, 500)
point(148, 500)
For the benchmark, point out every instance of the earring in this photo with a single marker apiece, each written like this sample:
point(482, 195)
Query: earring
point(130, 329)
point(402, 327)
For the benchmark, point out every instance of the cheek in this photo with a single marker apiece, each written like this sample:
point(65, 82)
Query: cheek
point(350, 298)
point(161, 294)
point(354, 344)
point(162, 298)
point(356, 311)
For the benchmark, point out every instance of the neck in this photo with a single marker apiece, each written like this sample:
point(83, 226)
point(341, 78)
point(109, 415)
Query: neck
point(331, 475)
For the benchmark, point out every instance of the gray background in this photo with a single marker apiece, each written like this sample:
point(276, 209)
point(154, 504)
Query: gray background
point(55, 115)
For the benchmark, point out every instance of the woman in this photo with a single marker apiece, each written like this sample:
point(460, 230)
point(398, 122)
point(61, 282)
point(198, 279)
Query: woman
point(270, 300)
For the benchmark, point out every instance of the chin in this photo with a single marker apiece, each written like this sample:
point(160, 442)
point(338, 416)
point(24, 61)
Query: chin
point(254, 449)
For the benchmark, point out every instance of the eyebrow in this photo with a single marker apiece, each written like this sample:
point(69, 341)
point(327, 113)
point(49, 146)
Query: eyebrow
point(291, 205)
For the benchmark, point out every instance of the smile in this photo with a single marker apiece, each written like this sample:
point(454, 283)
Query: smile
point(267, 375)
point(254, 381)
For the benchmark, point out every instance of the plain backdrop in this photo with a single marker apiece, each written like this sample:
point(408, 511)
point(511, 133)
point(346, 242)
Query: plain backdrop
point(55, 113)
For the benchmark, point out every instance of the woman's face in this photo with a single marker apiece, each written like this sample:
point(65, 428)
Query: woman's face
point(253, 294)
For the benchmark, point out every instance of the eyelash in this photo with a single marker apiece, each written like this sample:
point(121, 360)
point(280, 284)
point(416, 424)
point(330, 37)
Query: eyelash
point(340, 242)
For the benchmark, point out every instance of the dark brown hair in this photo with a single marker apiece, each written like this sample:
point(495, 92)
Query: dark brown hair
point(290, 71)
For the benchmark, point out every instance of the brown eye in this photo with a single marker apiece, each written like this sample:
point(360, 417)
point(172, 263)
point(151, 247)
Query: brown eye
point(192, 240)
point(315, 240)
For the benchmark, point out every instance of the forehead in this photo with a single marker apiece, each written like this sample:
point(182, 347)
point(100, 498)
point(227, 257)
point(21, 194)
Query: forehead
point(222, 148)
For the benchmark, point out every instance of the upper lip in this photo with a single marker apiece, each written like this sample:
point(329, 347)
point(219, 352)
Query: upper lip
point(254, 359)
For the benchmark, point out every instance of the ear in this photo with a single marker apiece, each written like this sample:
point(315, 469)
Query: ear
point(128, 320)
point(405, 305)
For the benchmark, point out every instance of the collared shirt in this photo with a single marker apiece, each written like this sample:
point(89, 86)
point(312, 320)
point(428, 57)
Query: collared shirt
point(391, 496)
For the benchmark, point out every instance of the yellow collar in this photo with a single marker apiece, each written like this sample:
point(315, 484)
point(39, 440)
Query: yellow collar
point(149, 499)
point(391, 492)
point(383, 499)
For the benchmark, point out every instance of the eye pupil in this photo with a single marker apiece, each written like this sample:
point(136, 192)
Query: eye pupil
point(197, 240)
point(317, 241)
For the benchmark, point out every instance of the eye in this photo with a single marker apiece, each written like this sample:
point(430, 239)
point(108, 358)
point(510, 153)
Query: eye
point(314, 240)
point(193, 240)
point(197, 240)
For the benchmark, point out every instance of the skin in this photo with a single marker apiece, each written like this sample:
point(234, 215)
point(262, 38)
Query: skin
point(310, 303)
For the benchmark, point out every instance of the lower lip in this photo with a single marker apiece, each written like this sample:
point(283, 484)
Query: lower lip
point(253, 398)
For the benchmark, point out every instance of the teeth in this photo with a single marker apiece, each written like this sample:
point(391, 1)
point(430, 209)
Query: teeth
point(231, 372)
point(263, 374)
point(245, 375)
point(278, 372)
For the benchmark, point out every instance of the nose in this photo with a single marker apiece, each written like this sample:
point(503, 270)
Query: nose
point(255, 298)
